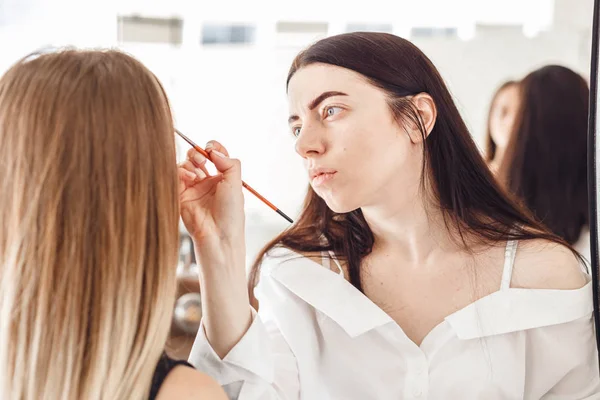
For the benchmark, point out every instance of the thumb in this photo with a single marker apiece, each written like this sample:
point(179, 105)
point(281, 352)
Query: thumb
point(229, 167)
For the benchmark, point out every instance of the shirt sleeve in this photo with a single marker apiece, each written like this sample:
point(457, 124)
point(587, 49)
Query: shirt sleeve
point(576, 346)
point(261, 366)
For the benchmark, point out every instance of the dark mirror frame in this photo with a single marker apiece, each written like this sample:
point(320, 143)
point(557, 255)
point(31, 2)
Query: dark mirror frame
point(593, 176)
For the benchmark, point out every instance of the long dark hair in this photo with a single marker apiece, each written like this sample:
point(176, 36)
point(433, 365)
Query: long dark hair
point(490, 145)
point(460, 183)
point(545, 162)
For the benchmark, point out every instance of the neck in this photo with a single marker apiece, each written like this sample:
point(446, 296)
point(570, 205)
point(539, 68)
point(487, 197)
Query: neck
point(407, 227)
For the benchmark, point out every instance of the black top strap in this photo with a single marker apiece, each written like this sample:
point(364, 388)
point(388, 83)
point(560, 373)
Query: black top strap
point(163, 368)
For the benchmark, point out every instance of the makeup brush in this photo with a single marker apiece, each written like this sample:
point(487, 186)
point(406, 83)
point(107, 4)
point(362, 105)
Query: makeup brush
point(248, 187)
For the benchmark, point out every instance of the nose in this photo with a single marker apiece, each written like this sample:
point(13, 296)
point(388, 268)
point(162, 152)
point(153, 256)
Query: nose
point(310, 142)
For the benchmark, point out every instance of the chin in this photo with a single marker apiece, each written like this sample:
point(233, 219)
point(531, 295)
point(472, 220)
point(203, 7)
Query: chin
point(340, 205)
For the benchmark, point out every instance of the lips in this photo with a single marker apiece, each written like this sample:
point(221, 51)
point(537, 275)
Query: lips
point(319, 176)
point(322, 179)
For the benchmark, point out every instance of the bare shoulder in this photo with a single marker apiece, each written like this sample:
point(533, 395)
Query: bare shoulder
point(186, 383)
point(541, 264)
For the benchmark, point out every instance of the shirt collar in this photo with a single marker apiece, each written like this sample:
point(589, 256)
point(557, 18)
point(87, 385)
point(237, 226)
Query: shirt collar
point(504, 311)
point(328, 292)
point(517, 309)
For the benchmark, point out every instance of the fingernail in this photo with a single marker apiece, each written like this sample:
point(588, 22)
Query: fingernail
point(209, 145)
point(199, 172)
point(199, 159)
point(218, 154)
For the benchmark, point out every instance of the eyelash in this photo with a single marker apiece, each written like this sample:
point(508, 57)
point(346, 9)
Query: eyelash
point(324, 116)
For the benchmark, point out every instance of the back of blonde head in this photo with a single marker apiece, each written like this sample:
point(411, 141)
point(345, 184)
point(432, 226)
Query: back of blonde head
point(89, 226)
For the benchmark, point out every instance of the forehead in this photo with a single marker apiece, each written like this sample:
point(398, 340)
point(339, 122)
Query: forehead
point(310, 81)
point(508, 93)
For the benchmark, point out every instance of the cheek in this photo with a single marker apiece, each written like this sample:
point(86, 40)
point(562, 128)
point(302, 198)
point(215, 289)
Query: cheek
point(495, 126)
point(351, 142)
point(367, 149)
point(510, 120)
point(500, 122)
point(386, 159)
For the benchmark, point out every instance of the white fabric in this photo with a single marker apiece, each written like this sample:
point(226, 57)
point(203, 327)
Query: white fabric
point(317, 337)
point(509, 262)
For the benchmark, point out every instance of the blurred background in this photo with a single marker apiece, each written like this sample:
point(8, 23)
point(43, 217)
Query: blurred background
point(224, 63)
point(224, 66)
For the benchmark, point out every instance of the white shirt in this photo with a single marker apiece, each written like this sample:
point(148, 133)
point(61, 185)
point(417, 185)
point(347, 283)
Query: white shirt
point(317, 337)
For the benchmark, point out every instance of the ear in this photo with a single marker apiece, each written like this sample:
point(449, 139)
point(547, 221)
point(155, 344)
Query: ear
point(427, 111)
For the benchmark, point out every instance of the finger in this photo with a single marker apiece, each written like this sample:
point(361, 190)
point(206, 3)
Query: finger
point(191, 166)
point(203, 169)
point(229, 167)
point(195, 157)
point(188, 165)
point(187, 175)
point(186, 178)
point(199, 173)
point(214, 145)
point(199, 190)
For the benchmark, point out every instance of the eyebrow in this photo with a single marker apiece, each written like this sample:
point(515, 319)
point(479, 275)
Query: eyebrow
point(315, 103)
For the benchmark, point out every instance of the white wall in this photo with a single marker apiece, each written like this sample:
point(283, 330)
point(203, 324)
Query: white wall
point(474, 69)
point(237, 94)
point(240, 99)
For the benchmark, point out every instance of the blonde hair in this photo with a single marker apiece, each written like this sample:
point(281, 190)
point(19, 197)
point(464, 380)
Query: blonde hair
point(89, 226)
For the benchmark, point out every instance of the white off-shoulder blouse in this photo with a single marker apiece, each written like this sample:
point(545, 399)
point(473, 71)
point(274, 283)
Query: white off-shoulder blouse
point(317, 337)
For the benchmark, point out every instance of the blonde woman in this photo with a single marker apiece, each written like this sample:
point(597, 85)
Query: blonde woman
point(89, 194)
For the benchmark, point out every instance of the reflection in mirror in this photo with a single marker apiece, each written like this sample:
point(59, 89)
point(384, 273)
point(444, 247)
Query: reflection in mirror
point(501, 119)
point(541, 148)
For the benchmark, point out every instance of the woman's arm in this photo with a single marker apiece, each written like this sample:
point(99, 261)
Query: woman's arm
point(250, 360)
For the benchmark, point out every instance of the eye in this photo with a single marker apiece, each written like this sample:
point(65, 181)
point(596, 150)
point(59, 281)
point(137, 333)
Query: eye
point(296, 131)
point(331, 111)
